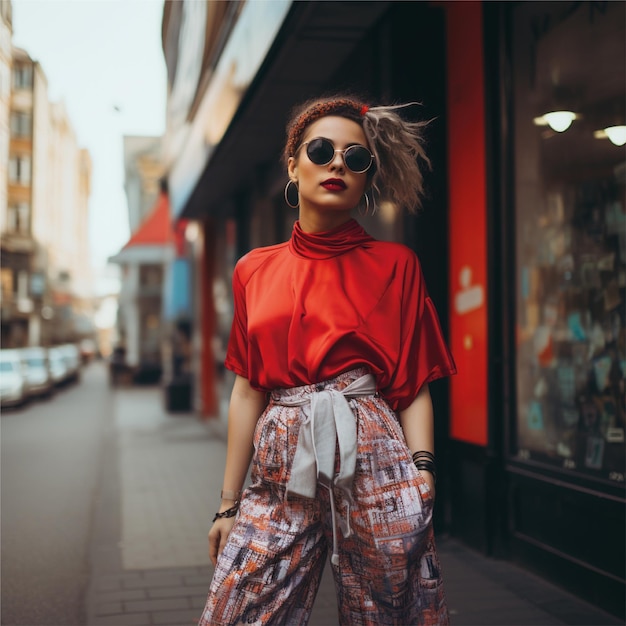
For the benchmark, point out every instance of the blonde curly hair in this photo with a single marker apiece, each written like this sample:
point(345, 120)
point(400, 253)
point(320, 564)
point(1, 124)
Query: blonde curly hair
point(397, 145)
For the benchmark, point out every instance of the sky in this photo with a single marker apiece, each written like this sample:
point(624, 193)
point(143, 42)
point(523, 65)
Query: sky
point(103, 59)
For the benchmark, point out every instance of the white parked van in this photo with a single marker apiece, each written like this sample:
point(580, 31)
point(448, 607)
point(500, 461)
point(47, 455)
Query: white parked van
point(58, 369)
point(12, 378)
point(71, 356)
point(38, 376)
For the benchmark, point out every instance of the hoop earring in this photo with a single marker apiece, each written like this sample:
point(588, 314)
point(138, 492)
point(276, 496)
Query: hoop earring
point(292, 202)
point(364, 213)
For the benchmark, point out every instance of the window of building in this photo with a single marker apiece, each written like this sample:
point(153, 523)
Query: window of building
point(6, 282)
point(19, 169)
point(18, 218)
point(23, 77)
point(5, 82)
point(23, 211)
point(569, 80)
point(21, 124)
point(22, 284)
point(12, 218)
point(151, 276)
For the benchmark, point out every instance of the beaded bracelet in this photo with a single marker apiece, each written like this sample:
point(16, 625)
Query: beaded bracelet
point(228, 512)
point(233, 496)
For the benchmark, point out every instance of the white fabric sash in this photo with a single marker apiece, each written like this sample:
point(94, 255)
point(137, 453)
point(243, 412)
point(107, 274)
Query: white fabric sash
point(327, 421)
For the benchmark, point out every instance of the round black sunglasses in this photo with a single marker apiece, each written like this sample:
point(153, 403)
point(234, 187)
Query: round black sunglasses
point(321, 151)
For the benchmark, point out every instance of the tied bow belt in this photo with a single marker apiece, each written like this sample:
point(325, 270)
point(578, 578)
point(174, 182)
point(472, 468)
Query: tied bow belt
point(328, 421)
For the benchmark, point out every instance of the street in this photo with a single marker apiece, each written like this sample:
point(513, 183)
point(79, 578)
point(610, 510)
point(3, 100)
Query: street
point(51, 460)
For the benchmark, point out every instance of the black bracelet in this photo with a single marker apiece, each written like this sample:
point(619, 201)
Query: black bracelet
point(424, 460)
point(228, 512)
point(423, 454)
point(427, 466)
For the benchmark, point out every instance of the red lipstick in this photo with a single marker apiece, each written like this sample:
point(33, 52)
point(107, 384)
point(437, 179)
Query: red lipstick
point(334, 184)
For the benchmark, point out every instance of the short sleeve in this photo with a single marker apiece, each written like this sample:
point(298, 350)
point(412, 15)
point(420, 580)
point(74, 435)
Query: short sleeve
point(237, 350)
point(423, 354)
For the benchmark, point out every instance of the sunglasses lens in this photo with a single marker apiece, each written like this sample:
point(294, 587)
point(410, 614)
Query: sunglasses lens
point(320, 151)
point(357, 158)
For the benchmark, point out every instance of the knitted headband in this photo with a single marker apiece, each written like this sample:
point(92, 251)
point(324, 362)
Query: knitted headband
point(342, 107)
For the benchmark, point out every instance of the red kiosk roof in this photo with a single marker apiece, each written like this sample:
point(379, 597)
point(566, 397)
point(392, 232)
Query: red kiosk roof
point(156, 228)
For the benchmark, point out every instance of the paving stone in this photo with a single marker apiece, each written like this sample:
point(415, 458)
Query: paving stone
point(198, 602)
point(162, 604)
point(108, 585)
point(178, 618)
point(495, 618)
point(137, 619)
point(164, 465)
point(154, 581)
point(120, 595)
point(109, 608)
point(179, 571)
point(171, 592)
point(111, 582)
point(198, 581)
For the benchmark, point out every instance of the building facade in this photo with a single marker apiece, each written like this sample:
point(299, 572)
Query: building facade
point(143, 169)
point(60, 226)
point(6, 35)
point(46, 267)
point(20, 317)
point(143, 259)
point(522, 237)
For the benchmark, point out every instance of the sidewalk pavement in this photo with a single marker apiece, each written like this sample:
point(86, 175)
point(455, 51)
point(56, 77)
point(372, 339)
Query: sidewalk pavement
point(159, 489)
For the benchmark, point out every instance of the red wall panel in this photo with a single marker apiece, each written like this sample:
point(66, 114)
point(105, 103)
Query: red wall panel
point(210, 404)
point(468, 227)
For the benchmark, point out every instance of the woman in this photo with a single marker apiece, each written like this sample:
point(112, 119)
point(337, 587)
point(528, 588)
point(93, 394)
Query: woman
point(334, 342)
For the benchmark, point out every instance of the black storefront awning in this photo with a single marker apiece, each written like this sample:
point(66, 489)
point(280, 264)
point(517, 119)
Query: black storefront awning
point(315, 39)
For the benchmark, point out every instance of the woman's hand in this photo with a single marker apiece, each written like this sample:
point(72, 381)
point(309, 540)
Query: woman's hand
point(218, 535)
point(246, 405)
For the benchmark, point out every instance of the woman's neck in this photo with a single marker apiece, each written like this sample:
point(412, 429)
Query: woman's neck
point(318, 222)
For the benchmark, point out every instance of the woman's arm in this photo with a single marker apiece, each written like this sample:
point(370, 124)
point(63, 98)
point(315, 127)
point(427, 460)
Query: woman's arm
point(419, 430)
point(246, 406)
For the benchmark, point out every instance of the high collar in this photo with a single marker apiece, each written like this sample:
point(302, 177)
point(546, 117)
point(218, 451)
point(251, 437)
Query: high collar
point(329, 243)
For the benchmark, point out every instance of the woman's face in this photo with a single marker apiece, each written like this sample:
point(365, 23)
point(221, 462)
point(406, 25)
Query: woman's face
point(329, 191)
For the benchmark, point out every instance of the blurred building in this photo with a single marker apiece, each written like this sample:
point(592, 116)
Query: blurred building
point(143, 259)
point(522, 238)
point(20, 316)
point(143, 169)
point(108, 280)
point(61, 228)
point(46, 276)
point(6, 34)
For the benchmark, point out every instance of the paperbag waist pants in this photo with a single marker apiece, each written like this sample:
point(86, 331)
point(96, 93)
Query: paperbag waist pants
point(385, 567)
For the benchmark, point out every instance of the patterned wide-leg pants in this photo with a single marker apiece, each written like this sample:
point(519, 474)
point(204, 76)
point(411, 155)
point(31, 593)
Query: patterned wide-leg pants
point(388, 571)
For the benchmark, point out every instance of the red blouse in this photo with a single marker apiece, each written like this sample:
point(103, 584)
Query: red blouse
point(323, 303)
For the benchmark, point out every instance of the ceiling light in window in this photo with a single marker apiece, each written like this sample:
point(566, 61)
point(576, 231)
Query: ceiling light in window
point(616, 134)
point(558, 121)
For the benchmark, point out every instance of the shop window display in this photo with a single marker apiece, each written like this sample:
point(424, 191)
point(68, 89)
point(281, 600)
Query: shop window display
point(570, 231)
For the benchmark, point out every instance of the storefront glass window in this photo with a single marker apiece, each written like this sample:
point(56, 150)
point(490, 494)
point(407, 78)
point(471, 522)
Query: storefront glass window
point(570, 225)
